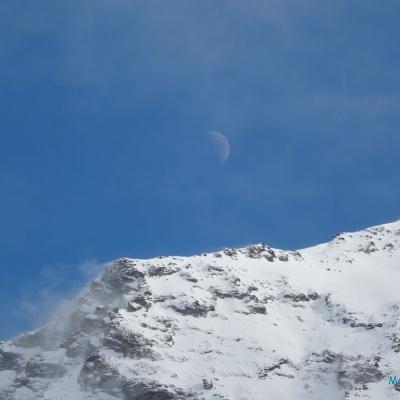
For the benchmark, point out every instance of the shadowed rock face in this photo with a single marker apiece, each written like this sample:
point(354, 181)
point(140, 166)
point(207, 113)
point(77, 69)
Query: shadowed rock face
point(98, 375)
point(230, 325)
point(152, 391)
point(37, 367)
point(194, 309)
point(129, 344)
point(301, 297)
point(9, 360)
point(352, 374)
point(267, 371)
point(261, 251)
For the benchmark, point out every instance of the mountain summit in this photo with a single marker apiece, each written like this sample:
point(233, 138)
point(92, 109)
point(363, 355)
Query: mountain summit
point(253, 323)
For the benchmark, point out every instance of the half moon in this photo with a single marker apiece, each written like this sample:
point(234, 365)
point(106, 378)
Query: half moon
point(221, 145)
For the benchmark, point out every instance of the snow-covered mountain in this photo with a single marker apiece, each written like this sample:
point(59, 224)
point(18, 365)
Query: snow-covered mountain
point(254, 323)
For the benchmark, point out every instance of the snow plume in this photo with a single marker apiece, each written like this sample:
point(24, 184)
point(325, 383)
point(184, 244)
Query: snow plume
point(39, 305)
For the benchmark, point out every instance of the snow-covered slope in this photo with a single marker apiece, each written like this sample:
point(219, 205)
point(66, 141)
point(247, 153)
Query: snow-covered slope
point(254, 323)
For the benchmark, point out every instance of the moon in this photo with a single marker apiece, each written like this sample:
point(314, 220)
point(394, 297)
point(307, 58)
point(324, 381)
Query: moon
point(221, 145)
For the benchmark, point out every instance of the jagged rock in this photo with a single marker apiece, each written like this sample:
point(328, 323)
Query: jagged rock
point(353, 374)
point(195, 308)
point(389, 247)
point(162, 270)
point(261, 251)
point(129, 344)
point(267, 370)
point(395, 338)
point(328, 356)
point(369, 248)
point(132, 306)
point(230, 252)
point(356, 324)
point(258, 309)
point(234, 293)
point(302, 297)
point(119, 274)
point(208, 384)
point(152, 391)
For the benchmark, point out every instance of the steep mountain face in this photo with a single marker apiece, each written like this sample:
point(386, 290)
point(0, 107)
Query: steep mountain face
point(251, 323)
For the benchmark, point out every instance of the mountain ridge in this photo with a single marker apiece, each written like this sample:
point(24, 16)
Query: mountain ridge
point(319, 322)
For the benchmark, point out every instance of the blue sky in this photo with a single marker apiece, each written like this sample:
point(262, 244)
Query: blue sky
point(103, 152)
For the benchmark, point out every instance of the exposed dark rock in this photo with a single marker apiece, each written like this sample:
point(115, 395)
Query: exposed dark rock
point(366, 326)
point(289, 376)
point(369, 248)
point(195, 309)
point(261, 251)
point(143, 299)
point(163, 298)
point(162, 270)
point(9, 360)
point(258, 309)
point(208, 384)
point(361, 372)
point(129, 344)
point(230, 252)
point(134, 390)
point(133, 307)
point(267, 370)
point(389, 247)
point(215, 269)
point(191, 279)
point(395, 339)
point(302, 296)
point(355, 324)
point(297, 297)
point(235, 293)
point(328, 356)
point(119, 274)
point(297, 256)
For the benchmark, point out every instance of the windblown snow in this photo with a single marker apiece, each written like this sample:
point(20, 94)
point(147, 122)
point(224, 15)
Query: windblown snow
point(254, 323)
